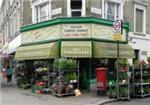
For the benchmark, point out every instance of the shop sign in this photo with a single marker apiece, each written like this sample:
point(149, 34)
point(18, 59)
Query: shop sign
point(105, 32)
point(75, 30)
point(42, 34)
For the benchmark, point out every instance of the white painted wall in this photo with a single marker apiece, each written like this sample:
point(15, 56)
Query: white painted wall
point(142, 43)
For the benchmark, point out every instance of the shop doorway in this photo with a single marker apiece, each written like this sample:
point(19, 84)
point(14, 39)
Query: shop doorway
point(84, 73)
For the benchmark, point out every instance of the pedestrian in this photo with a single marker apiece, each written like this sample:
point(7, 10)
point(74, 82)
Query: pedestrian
point(8, 74)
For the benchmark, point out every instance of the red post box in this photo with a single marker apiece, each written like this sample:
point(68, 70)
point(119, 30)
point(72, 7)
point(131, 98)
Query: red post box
point(101, 78)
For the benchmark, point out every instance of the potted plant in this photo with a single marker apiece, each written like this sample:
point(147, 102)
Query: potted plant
point(122, 64)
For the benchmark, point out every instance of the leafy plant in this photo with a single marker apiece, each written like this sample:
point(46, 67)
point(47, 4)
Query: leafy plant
point(123, 91)
point(148, 59)
point(73, 76)
point(65, 64)
point(136, 64)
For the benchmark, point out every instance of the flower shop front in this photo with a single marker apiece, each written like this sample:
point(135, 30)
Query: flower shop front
point(87, 40)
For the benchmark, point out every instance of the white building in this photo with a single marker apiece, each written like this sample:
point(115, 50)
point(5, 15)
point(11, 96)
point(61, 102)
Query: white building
point(139, 19)
point(13, 15)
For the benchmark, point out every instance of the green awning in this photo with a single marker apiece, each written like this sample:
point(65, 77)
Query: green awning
point(109, 50)
point(76, 49)
point(40, 51)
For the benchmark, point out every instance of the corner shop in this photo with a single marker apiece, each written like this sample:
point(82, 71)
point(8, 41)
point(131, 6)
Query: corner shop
point(89, 40)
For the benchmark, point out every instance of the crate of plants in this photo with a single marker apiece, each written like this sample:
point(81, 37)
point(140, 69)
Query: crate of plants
point(40, 87)
point(24, 83)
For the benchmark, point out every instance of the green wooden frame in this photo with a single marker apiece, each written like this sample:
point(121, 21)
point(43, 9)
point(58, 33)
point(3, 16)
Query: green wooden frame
point(70, 20)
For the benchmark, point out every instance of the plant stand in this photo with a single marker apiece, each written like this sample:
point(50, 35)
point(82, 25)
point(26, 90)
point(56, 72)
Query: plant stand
point(123, 86)
point(65, 81)
point(141, 82)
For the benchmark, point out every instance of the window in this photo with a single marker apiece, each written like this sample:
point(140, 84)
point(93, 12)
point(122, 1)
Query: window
point(75, 8)
point(41, 11)
point(112, 10)
point(139, 19)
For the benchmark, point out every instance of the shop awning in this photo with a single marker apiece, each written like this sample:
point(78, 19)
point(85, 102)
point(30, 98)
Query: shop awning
point(76, 49)
point(40, 51)
point(109, 50)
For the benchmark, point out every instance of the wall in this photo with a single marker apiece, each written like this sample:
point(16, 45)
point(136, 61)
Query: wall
point(57, 4)
point(26, 12)
point(142, 44)
point(129, 16)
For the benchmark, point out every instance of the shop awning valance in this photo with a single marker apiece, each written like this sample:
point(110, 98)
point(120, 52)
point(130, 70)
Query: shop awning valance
point(109, 50)
point(76, 49)
point(39, 51)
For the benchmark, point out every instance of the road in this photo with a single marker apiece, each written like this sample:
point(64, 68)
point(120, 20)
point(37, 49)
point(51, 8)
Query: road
point(144, 101)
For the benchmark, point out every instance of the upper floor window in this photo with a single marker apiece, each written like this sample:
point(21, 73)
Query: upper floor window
point(41, 11)
point(139, 19)
point(112, 10)
point(75, 8)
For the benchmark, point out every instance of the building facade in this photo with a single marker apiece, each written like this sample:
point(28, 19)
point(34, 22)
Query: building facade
point(139, 19)
point(13, 15)
point(78, 29)
point(50, 9)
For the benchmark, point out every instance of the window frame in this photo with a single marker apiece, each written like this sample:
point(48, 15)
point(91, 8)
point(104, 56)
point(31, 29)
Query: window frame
point(143, 8)
point(36, 10)
point(118, 5)
point(83, 8)
point(40, 18)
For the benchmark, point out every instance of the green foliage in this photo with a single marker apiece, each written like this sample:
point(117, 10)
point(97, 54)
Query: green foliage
point(65, 64)
point(73, 76)
point(123, 91)
point(122, 62)
point(112, 92)
point(136, 64)
point(148, 59)
point(123, 76)
point(24, 83)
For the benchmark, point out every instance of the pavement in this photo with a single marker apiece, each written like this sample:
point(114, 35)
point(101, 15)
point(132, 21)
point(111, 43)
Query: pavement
point(137, 101)
point(10, 94)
